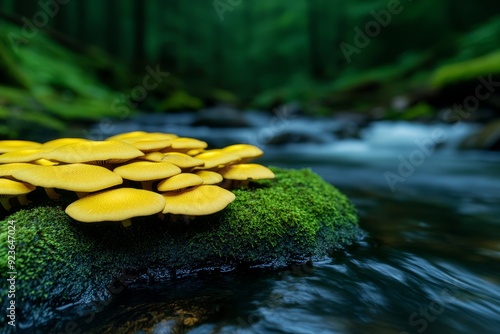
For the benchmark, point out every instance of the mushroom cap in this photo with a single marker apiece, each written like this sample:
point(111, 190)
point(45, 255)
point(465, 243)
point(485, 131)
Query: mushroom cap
point(180, 181)
point(127, 135)
point(45, 162)
point(16, 145)
point(198, 201)
point(53, 144)
point(182, 160)
point(152, 156)
point(209, 177)
point(72, 177)
point(187, 143)
point(147, 170)
point(10, 188)
point(246, 172)
point(216, 158)
point(116, 205)
point(9, 169)
point(22, 156)
point(244, 151)
point(134, 136)
point(195, 151)
point(94, 151)
point(147, 145)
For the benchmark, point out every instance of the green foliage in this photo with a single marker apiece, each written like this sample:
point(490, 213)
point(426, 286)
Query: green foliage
point(47, 84)
point(293, 54)
point(480, 41)
point(180, 100)
point(418, 111)
point(467, 70)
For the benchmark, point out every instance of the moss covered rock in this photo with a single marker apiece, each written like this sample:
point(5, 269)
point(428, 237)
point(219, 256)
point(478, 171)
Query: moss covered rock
point(295, 217)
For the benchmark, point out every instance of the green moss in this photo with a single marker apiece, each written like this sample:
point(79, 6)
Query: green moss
point(58, 261)
point(467, 70)
point(179, 100)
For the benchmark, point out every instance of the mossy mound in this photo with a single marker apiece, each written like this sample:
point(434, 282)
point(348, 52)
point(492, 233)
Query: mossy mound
point(296, 216)
point(467, 70)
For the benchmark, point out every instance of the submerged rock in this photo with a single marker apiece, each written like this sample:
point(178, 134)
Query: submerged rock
point(61, 263)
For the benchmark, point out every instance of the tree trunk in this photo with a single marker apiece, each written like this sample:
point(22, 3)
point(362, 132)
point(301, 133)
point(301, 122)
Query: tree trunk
point(139, 33)
point(314, 39)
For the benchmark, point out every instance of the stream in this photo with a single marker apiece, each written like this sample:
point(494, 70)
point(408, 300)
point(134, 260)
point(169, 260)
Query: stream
point(430, 262)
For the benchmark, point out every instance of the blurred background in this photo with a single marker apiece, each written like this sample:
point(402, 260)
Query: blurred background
point(396, 103)
point(65, 62)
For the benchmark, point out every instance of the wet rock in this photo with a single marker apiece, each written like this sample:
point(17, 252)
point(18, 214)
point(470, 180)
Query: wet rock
point(350, 125)
point(221, 117)
point(295, 137)
point(488, 138)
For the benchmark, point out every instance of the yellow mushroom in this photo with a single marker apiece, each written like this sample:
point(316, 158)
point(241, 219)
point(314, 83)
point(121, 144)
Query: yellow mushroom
point(94, 151)
point(216, 159)
point(120, 204)
point(21, 156)
point(148, 145)
point(195, 151)
point(152, 156)
point(16, 145)
point(185, 144)
point(182, 160)
point(180, 181)
point(127, 135)
point(209, 177)
point(147, 172)
point(10, 188)
point(246, 152)
point(7, 170)
point(245, 172)
point(45, 162)
point(53, 144)
point(198, 201)
point(80, 178)
point(134, 136)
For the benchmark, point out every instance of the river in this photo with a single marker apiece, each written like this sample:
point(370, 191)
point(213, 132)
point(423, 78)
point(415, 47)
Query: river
point(430, 262)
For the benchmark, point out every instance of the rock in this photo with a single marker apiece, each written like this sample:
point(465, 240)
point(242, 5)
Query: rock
point(293, 136)
point(488, 138)
point(350, 124)
point(65, 268)
point(221, 117)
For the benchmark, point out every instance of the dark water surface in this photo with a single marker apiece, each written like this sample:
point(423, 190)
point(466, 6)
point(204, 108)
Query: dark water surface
point(430, 263)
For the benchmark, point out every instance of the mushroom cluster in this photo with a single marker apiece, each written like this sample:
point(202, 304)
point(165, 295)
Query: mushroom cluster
point(128, 175)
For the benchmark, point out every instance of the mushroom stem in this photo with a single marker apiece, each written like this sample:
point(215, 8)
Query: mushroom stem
point(244, 183)
point(147, 185)
point(126, 222)
point(5, 203)
point(23, 200)
point(81, 194)
point(226, 184)
point(51, 193)
point(187, 219)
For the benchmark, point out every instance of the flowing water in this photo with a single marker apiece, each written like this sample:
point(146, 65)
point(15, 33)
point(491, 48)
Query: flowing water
point(430, 262)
